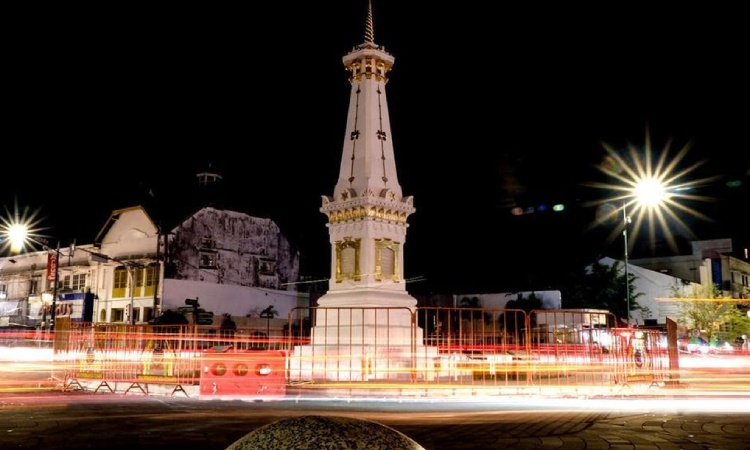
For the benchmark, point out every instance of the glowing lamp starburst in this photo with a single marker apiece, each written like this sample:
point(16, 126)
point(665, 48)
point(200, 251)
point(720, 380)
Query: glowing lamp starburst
point(19, 229)
point(17, 234)
point(652, 193)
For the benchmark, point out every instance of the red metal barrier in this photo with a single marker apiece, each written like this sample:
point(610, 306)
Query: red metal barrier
point(246, 374)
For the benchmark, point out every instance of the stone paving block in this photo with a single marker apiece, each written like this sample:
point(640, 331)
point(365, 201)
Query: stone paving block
point(329, 432)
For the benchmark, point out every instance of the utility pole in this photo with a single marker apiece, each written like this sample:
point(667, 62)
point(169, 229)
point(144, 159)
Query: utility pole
point(157, 270)
point(626, 221)
point(268, 314)
point(134, 269)
point(131, 314)
point(53, 314)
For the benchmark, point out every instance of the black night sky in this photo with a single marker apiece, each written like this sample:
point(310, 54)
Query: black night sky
point(492, 107)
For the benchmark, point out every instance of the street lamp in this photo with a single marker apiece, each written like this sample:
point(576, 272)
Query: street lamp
point(16, 232)
point(646, 195)
point(652, 191)
point(17, 235)
point(19, 229)
point(626, 221)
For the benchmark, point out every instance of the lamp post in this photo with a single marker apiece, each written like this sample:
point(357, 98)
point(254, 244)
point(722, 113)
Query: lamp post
point(626, 221)
point(131, 280)
point(132, 268)
point(650, 189)
point(647, 196)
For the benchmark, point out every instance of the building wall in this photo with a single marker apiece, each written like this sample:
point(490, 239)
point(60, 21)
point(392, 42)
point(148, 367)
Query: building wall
point(706, 266)
point(687, 267)
point(128, 241)
point(550, 299)
point(656, 290)
point(235, 300)
point(245, 251)
point(28, 291)
point(736, 276)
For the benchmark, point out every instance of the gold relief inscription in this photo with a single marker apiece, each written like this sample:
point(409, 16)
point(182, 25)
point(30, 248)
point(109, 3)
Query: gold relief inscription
point(386, 259)
point(347, 259)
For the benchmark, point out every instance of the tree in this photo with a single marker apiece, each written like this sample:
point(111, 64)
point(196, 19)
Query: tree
point(514, 318)
point(531, 303)
point(705, 309)
point(264, 313)
point(170, 317)
point(600, 286)
point(511, 320)
point(471, 315)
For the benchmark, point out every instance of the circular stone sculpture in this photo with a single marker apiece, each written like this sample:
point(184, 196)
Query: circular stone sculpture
point(324, 432)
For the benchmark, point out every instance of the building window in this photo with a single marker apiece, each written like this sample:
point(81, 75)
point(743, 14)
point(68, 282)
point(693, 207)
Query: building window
point(3, 291)
point(118, 315)
point(34, 286)
point(103, 315)
point(267, 267)
point(207, 260)
point(149, 275)
point(148, 314)
point(120, 283)
point(78, 281)
point(140, 276)
point(136, 315)
point(64, 283)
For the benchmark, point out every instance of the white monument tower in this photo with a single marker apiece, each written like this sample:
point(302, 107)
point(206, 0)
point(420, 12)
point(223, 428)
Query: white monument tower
point(366, 312)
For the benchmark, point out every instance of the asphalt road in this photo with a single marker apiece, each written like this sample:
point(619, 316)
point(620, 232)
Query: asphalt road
point(713, 414)
point(82, 420)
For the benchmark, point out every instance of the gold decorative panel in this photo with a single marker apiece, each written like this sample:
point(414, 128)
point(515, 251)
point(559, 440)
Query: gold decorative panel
point(347, 259)
point(386, 259)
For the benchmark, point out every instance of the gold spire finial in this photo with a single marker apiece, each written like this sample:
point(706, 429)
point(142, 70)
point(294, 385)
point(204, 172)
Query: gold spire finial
point(369, 29)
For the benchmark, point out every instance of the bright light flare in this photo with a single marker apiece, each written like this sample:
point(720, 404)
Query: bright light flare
point(17, 233)
point(19, 229)
point(650, 191)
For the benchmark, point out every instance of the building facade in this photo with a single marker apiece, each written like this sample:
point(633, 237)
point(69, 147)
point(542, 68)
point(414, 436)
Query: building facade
point(132, 272)
point(711, 262)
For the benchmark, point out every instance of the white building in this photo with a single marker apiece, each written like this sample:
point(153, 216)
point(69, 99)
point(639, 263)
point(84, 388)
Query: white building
point(711, 262)
point(655, 289)
point(232, 262)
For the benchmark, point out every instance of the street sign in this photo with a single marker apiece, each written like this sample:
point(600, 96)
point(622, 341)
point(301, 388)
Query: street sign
point(205, 318)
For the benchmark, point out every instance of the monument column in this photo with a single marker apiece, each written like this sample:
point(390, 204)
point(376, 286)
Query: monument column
point(365, 322)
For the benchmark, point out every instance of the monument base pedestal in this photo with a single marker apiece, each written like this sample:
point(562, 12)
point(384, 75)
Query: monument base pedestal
point(362, 362)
